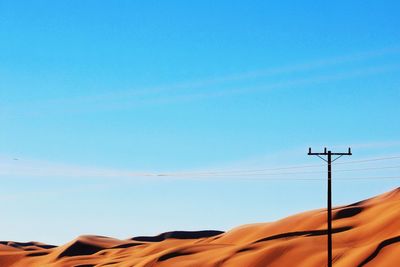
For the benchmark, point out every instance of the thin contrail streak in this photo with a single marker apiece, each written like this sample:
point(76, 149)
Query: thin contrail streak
point(127, 103)
point(292, 68)
point(138, 97)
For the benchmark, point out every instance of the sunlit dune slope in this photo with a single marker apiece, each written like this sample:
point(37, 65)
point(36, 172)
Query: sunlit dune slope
point(366, 233)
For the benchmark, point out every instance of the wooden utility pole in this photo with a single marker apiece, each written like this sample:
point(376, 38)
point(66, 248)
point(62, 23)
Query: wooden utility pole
point(329, 200)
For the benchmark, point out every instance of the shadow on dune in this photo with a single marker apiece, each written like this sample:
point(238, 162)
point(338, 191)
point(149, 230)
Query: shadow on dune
point(245, 249)
point(36, 254)
point(173, 255)
point(127, 245)
point(178, 235)
point(381, 245)
point(304, 233)
point(347, 212)
point(22, 245)
point(79, 248)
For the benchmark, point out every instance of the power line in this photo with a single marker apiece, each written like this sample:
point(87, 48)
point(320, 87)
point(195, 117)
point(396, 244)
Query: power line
point(217, 174)
point(273, 169)
point(368, 160)
point(322, 179)
point(369, 178)
point(248, 170)
point(266, 171)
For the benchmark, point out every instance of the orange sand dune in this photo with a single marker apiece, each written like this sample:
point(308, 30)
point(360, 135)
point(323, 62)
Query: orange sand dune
point(366, 233)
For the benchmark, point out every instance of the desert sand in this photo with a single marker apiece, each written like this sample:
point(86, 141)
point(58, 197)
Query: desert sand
point(366, 233)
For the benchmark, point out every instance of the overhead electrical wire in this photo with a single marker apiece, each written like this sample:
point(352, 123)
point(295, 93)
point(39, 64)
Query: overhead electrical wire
point(277, 168)
point(323, 179)
point(367, 160)
point(270, 171)
point(275, 173)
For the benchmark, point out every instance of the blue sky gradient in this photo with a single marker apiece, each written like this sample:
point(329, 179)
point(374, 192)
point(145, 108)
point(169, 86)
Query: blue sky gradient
point(95, 93)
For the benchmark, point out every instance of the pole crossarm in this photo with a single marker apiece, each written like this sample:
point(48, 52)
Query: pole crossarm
point(325, 153)
point(329, 160)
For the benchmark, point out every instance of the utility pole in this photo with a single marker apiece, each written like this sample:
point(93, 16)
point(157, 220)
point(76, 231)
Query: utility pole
point(329, 160)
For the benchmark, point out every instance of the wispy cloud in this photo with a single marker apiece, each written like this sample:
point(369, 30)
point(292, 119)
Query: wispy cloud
point(129, 103)
point(289, 83)
point(217, 86)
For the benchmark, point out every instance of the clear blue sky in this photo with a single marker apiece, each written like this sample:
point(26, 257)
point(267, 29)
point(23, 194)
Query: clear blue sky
point(94, 92)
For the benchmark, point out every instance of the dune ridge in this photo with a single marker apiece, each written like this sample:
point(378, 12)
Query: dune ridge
point(366, 233)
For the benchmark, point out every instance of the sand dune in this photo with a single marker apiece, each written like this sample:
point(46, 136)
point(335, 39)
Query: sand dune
point(366, 233)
